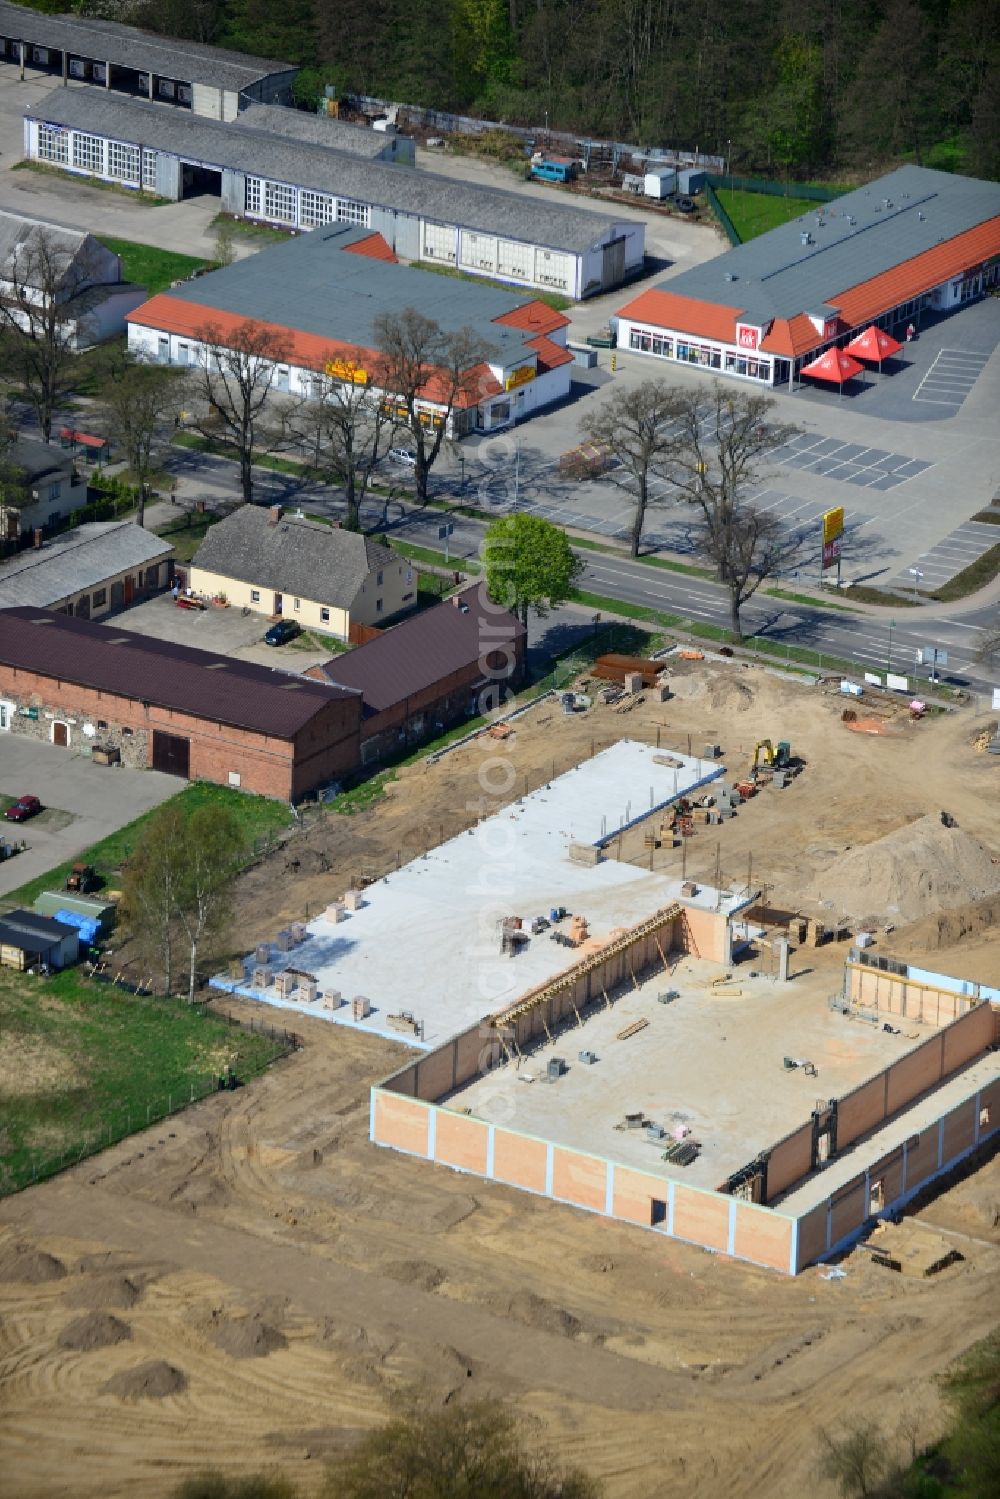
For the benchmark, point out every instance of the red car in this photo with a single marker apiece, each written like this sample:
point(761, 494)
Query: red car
point(22, 809)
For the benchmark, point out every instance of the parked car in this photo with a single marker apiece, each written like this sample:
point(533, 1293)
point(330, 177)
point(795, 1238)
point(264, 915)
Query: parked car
point(283, 631)
point(686, 205)
point(404, 456)
point(22, 809)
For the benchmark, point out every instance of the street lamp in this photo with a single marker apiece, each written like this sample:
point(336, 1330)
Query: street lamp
point(461, 459)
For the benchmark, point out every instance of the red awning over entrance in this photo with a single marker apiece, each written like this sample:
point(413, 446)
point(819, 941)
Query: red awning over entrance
point(85, 439)
point(873, 344)
point(834, 365)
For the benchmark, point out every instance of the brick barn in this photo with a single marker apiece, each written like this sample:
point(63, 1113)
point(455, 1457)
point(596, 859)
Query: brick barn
point(168, 707)
point(430, 671)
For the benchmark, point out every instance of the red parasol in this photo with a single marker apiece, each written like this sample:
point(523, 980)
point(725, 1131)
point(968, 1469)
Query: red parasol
point(835, 366)
point(874, 345)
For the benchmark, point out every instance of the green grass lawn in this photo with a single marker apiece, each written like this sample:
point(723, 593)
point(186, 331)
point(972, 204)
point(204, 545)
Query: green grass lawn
point(82, 1062)
point(756, 213)
point(150, 267)
point(187, 533)
point(259, 817)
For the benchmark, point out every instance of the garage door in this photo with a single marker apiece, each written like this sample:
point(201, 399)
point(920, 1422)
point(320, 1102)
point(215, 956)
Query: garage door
point(613, 268)
point(171, 754)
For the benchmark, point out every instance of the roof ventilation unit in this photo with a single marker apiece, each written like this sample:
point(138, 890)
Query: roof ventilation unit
point(851, 219)
point(731, 276)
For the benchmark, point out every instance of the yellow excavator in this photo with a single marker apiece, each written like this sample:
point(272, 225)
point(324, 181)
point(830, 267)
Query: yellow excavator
point(765, 751)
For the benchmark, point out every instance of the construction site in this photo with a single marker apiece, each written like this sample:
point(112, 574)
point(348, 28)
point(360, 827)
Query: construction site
point(664, 1001)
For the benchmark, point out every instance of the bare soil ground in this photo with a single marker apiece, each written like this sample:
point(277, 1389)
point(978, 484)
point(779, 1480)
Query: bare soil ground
point(281, 1279)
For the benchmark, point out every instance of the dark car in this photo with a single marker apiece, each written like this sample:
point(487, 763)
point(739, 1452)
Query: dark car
point(22, 809)
point(686, 205)
point(284, 630)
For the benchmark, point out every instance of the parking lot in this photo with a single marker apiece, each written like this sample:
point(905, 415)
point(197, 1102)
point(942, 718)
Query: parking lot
point(950, 378)
point(228, 631)
point(83, 803)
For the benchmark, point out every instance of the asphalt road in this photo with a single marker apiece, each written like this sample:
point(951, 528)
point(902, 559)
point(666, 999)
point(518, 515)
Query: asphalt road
point(867, 638)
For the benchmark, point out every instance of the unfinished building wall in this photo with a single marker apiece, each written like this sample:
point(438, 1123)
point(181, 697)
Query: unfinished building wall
point(915, 994)
point(707, 1219)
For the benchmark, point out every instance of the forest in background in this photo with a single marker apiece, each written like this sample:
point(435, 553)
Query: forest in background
point(798, 87)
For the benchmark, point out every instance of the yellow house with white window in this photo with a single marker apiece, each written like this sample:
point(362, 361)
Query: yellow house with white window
point(284, 565)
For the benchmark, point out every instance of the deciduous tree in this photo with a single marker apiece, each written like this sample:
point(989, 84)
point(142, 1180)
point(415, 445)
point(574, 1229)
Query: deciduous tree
point(634, 428)
point(38, 320)
point(421, 363)
point(151, 887)
point(213, 850)
point(136, 411)
point(232, 384)
point(529, 564)
point(720, 442)
point(347, 426)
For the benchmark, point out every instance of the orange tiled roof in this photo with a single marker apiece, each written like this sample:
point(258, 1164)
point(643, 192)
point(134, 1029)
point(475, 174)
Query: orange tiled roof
point(858, 304)
point(375, 247)
point(307, 350)
point(550, 355)
point(667, 309)
point(535, 317)
point(792, 336)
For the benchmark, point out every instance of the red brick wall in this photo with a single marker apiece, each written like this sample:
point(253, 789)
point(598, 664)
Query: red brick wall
point(265, 764)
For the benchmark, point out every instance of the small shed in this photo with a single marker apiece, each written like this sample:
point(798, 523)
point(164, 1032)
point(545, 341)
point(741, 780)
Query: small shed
point(104, 912)
point(26, 938)
point(660, 182)
point(690, 180)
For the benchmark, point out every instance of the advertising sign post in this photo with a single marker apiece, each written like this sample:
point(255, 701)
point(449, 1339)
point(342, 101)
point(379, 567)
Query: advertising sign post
point(833, 532)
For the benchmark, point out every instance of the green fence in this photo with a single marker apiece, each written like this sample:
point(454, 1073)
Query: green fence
point(776, 189)
point(720, 213)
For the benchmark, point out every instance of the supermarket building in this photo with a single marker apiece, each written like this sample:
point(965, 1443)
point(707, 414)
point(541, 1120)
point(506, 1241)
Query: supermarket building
point(911, 241)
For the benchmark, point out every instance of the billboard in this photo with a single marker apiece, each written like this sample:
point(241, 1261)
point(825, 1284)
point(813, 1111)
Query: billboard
point(833, 531)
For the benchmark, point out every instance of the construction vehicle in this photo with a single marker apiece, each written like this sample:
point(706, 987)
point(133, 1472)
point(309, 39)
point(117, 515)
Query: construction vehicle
point(82, 879)
point(778, 759)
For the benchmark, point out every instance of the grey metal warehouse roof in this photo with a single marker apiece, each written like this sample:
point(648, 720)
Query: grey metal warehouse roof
point(853, 239)
point(312, 285)
point(260, 153)
point(108, 659)
point(80, 559)
point(295, 556)
point(315, 130)
point(107, 41)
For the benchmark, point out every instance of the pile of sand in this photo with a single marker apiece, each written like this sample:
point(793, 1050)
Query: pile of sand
point(916, 871)
point(108, 1290)
point(33, 1267)
point(95, 1330)
point(245, 1337)
point(946, 928)
point(150, 1381)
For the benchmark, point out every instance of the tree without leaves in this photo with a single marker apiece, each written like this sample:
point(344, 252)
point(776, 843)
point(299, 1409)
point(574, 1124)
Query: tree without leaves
point(859, 1463)
point(529, 564)
point(634, 428)
point(718, 441)
point(347, 427)
point(420, 362)
point(38, 321)
point(463, 1451)
point(234, 380)
point(136, 410)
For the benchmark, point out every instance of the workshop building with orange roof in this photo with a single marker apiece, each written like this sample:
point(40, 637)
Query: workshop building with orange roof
point(912, 242)
point(321, 295)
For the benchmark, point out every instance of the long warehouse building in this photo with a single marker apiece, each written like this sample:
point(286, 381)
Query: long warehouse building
point(207, 81)
point(278, 179)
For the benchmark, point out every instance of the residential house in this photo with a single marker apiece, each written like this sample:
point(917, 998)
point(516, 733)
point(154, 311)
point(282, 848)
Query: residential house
point(41, 487)
point(92, 570)
point(321, 577)
point(39, 259)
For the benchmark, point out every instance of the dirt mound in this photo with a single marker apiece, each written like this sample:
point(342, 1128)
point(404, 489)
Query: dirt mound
point(96, 1330)
point(31, 1266)
point(416, 1273)
point(914, 872)
point(245, 1337)
point(726, 692)
point(107, 1290)
point(535, 1311)
point(153, 1380)
point(946, 928)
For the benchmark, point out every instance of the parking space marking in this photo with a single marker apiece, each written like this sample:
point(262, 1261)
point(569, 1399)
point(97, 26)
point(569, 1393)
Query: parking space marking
point(951, 376)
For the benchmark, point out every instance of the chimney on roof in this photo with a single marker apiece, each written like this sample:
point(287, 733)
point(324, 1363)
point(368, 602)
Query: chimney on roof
point(274, 515)
point(36, 538)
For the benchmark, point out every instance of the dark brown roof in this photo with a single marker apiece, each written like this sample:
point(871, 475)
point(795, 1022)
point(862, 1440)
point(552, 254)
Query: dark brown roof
point(423, 649)
point(110, 659)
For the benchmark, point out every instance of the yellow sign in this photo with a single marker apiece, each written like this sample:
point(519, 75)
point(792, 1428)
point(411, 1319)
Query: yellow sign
point(519, 377)
point(833, 523)
point(342, 369)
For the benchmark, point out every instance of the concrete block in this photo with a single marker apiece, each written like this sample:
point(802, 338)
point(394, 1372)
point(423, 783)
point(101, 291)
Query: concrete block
point(361, 1007)
point(334, 913)
point(332, 999)
point(353, 900)
point(284, 940)
point(585, 853)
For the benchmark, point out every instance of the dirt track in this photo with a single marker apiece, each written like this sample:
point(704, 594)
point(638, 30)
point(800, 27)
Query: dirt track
point(264, 1219)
